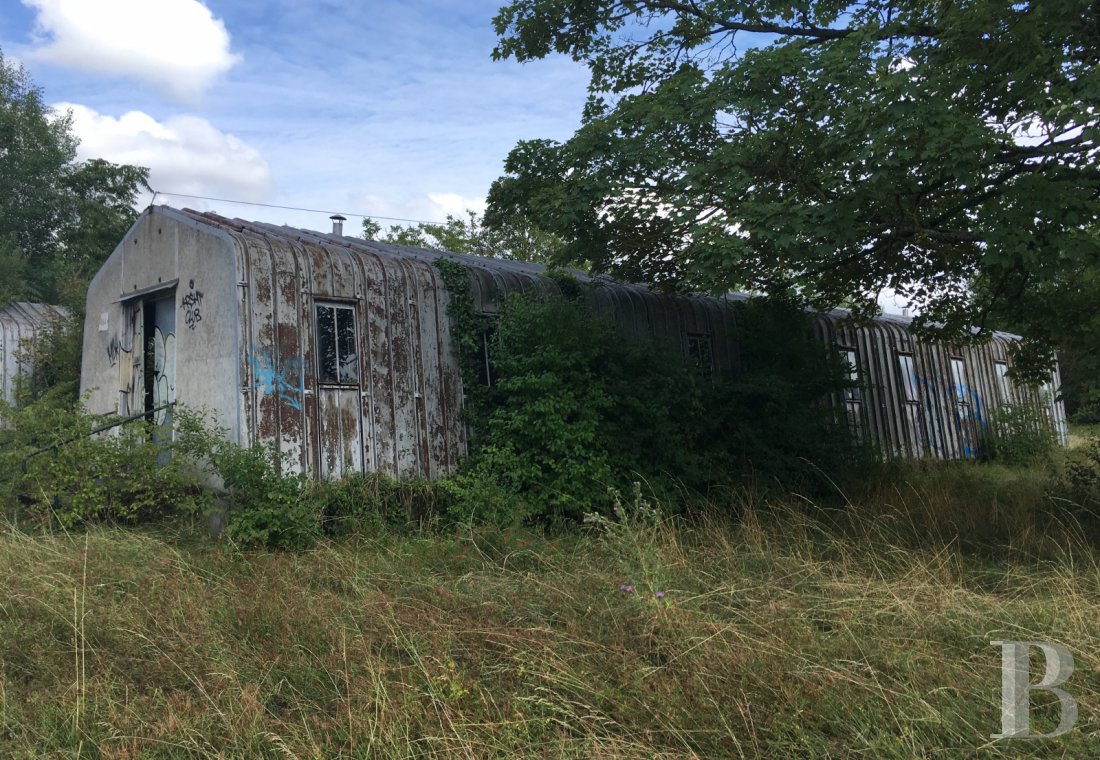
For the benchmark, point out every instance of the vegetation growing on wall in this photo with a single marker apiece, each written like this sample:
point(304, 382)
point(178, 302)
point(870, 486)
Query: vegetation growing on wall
point(578, 409)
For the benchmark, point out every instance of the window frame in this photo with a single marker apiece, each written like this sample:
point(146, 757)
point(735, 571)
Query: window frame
point(692, 342)
point(850, 356)
point(336, 377)
point(907, 369)
point(959, 380)
point(1000, 370)
point(487, 375)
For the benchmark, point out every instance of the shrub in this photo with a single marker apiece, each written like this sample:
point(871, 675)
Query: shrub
point(578, 408)
point(371, 502)
point(268, 504)
point(1087, 414)
point(1081, 479)
point(1019, 434)
point(55, 468)
point(54, 358)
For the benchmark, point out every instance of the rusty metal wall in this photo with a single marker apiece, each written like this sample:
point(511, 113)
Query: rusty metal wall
point(20, 324)
point(402, 414)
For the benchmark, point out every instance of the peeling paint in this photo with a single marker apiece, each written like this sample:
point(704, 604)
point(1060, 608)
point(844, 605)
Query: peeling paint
point(400, 411)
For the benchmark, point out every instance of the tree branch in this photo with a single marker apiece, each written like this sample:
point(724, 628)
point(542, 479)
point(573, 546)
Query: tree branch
point(808, 31)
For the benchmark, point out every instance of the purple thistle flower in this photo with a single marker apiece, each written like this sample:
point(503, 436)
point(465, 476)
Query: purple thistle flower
point(660, 594)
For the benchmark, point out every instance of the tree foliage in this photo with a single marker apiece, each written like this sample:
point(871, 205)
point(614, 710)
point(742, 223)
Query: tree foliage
point(511, 237)
point(59, 218)
point(832, 149)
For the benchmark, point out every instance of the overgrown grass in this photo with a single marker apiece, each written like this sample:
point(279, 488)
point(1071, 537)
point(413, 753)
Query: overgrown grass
point(1079, 435)
point(783, 631)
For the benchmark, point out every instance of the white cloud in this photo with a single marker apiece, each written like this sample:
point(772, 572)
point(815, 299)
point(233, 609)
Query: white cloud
point(430, 207)
point(454, 204)
point(176, 45)
point(185, 154)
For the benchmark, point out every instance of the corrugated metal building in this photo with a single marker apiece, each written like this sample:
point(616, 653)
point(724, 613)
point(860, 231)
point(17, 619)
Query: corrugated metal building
point(20, 324)
point(339, 350)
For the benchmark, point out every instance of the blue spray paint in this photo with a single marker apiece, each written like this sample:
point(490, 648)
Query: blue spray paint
point(281, 378)
point(964, 414)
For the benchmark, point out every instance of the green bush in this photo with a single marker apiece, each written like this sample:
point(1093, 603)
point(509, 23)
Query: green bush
point(579, 409)
point(54, 358)
point(55, 469)
point(371, 503)
point(268, 504)
point(1019, 435)
point(1081, 478)
point(1087, 414)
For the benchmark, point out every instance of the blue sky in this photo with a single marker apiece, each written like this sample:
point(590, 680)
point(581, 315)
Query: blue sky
point(386, 108)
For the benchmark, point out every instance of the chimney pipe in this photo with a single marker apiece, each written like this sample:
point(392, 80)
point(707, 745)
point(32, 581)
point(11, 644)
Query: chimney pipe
point(338, 224)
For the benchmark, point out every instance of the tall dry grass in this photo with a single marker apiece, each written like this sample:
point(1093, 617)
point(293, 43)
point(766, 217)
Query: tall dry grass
point(786, 632)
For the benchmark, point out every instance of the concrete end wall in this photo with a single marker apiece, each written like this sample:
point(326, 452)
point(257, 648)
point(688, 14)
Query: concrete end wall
point(164, 255)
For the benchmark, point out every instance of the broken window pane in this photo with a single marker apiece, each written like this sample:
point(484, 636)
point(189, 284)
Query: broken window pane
point(326, 344)
point(1002, 381)
point(958, 376)
point(347, 352)
point(852, 392)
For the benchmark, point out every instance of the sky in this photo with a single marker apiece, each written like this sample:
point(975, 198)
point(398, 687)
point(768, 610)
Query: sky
point(389, 109)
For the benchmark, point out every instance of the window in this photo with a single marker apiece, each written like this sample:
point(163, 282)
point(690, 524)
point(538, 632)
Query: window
point(698, 349)
point(958, 378)
point(908, 376)
point(852, 392)
point(487, 369)
point(1002, 381)
point(337, 352)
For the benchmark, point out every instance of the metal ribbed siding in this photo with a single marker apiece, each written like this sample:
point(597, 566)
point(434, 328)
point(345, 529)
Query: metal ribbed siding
point(935, 425)
point(20, 323)
point(404, 416)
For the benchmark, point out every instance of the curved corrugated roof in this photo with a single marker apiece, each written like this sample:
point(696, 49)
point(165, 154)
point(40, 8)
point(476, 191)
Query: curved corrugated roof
point(30, 313)
point(494, 276)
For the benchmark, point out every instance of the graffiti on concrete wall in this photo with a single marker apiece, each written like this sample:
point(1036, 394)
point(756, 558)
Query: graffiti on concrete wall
point(114, 349)
point(278, 377)
point(192, 306)
point(163, 346)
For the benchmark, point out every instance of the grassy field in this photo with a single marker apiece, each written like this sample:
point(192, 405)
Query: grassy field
point(779, 631)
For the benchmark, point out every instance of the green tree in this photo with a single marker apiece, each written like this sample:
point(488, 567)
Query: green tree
point(947, 150)
point(36, 147)
point(100, 199)
point(1062, 313)
point(59, 218)
point(507, 237)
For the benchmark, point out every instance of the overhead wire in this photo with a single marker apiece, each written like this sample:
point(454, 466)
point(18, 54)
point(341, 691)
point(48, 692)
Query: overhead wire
point(292, 208)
